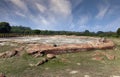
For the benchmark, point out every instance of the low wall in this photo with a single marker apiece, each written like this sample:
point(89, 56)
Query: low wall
point(69, 48)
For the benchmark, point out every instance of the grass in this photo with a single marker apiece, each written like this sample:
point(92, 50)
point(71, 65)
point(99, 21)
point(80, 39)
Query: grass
point(63, 64)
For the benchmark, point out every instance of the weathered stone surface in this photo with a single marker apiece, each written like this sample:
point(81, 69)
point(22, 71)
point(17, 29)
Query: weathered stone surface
point(50, 56)
point(11, 53)
point(20, 48)
point(102, 55)
point(98, 58)
point(79, 47)
point(66, 48)
point(8, 54)
point(61, 44)
point(34, 48)
point(110, 57)
point(39, 55)
point(41, 62)
point(86, 76)
point(73, 72)
point(2, 55)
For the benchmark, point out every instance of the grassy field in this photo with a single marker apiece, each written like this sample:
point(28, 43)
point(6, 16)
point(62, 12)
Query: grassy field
point(67, 65)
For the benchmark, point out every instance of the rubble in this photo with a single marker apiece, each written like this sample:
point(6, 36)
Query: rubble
point(34, 48)
point(110, 57)
point(50, 56)
point(99, 56)
point(8, 54)
point(41, 62)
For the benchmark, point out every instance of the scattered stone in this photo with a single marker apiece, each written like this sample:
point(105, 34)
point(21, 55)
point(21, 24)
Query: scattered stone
point(35, 48)
point(44, 59)
point(110, 57)
point(38, 55)
point(73, 72)
point(20, 48)
point(86, 76)
point(31, 65)
point(79, 64)
point(8, 54)
point(99, 54)
point(50, 56)
point(2, 55)
point(65, 60)
point(46, 68)
point(98, 58)
point(68, 70)
point(41, 62)
point(11, 53)
point(114, 76)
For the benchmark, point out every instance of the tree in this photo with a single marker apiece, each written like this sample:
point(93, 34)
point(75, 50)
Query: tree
point(36, 31)
point(20, 29)
point(118, 31)
point(100, 33)
point(86, 32)
point(5, 27)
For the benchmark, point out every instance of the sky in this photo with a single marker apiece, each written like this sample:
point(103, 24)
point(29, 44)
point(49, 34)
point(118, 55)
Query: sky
point(67, 15)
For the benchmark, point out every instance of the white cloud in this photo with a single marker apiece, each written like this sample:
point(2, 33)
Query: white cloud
point(45, 14)
point(20, 14)
point(41, 8)
point(57, 12)
point(60, 7)
point(20, 4)
point(102, 11)
point(44, 21)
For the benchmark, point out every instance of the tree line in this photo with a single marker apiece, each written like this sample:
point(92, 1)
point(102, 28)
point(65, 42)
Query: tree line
point(7, 30)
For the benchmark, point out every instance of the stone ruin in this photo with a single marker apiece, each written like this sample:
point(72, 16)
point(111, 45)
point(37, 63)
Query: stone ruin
point(55, 45)
point(89, 44)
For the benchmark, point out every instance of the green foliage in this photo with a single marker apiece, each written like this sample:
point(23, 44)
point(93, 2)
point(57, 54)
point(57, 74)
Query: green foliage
point(20, 29)
point(36, 31)
point(5, 27)
point(118, 32)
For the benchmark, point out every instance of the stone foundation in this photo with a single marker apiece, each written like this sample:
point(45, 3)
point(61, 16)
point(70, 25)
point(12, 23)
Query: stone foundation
point(70, 48)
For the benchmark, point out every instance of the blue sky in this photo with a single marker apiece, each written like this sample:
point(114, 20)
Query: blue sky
point(70, 15)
